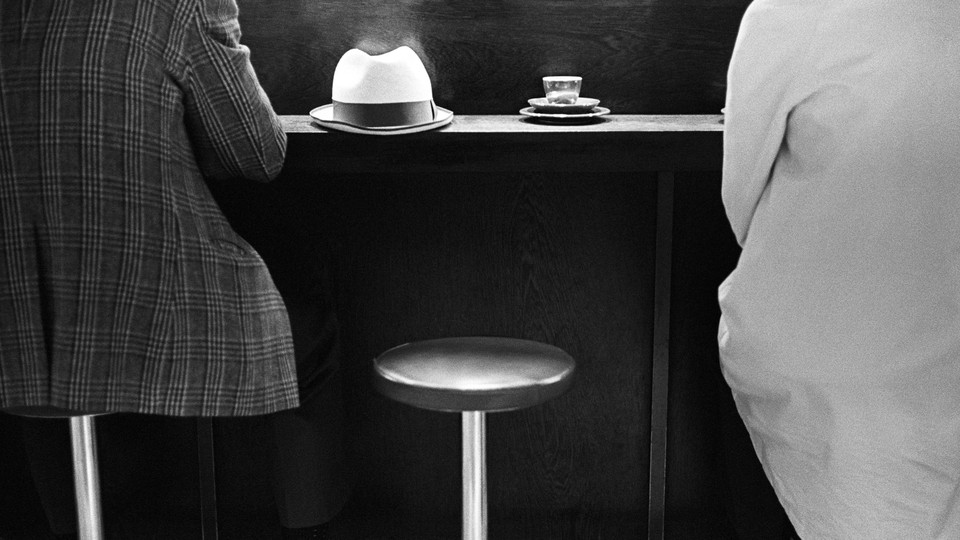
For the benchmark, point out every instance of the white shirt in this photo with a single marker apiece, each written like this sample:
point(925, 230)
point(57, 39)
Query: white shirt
point(840, 333)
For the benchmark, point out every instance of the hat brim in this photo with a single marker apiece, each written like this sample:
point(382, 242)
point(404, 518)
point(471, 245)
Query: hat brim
point(324, 116)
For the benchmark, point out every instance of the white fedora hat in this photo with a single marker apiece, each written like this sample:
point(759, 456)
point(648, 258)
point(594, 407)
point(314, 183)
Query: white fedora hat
point(387, 94)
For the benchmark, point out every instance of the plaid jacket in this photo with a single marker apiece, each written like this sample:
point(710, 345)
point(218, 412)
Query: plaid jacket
point(122, 286)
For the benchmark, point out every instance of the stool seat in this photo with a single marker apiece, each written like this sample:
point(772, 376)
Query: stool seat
point(473, 373)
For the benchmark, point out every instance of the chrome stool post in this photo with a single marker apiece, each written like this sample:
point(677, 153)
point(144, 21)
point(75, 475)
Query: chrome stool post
point(474, 475)
point(86, 477)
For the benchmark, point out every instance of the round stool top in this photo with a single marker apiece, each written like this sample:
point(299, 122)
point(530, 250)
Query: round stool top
point(473, 373)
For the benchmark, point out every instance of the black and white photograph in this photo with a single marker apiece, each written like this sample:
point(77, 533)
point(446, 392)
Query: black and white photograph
point(479, 270)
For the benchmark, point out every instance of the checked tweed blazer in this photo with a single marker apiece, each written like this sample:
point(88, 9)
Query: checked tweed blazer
point(122, 286)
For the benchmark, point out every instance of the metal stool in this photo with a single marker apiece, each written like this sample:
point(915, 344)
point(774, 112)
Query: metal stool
point(473, 376)
point(86, 478)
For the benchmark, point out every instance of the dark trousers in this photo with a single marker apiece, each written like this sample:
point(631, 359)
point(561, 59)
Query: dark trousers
point(47, 444)
point(311, 477)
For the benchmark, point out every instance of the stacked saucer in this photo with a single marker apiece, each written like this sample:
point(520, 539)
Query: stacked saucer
point(583, 110)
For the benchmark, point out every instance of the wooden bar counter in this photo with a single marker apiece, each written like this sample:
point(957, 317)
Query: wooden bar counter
point(512, 144)
point(617, 144)
point(606, 239)
point(570, 234)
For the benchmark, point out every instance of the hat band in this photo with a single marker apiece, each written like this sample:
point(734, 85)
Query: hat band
point(385, 114)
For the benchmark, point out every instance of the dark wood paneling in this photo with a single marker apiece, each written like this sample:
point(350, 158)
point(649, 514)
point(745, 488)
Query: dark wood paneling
point(564, 257)
point(561, 259)
point(704, 253)
point(637, 57)
point(713, 472)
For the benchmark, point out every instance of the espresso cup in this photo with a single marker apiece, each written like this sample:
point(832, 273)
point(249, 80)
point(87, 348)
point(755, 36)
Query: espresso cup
point(563, 89)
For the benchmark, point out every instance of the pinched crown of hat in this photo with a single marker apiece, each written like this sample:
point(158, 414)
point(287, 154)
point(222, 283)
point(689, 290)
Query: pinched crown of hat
point(394, 77)
point(391, 89)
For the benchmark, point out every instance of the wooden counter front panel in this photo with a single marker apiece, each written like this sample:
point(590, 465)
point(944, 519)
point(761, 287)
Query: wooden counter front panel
point(433, 235)
point(565, 260)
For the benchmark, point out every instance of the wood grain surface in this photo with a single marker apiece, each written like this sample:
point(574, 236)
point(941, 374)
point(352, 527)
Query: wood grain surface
point(509, 127)
point(488, 57)
point(443, 234)
point(531, 256)
point(567, 260)
point(472, 144)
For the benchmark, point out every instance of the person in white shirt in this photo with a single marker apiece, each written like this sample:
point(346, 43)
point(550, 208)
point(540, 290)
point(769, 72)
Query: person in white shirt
point(840, 327)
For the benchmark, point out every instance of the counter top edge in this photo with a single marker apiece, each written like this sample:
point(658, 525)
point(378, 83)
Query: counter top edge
point(493, 124)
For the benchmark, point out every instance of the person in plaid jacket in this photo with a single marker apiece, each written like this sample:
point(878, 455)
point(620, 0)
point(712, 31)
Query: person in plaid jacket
point(123, 288)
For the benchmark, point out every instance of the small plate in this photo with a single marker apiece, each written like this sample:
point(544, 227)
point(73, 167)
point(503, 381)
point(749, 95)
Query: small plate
point(554, 118)
point(583, 105)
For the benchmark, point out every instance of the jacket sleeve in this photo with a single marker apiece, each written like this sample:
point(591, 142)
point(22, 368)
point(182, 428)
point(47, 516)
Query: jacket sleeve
point(765, 80)
point(234, 130)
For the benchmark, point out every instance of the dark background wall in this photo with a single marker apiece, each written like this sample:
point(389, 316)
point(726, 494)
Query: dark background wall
point(566, 259)
point(487, 57)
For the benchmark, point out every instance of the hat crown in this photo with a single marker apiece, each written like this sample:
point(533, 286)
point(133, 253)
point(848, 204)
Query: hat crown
point(398, 76)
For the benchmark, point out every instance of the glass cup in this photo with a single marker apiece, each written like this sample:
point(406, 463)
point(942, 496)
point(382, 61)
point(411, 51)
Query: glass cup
point(563, 89)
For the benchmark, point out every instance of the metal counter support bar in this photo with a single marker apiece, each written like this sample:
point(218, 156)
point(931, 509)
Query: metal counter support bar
point(208, 479)
point(474, 475)
point(661, 357)
point(86, 479)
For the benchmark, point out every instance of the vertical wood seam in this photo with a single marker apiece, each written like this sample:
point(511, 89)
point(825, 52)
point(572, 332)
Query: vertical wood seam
point(208, 479)
point(659, 373)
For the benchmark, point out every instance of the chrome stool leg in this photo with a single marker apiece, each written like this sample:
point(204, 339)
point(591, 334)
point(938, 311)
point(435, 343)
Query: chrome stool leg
point(86, 477)
point(474, 475)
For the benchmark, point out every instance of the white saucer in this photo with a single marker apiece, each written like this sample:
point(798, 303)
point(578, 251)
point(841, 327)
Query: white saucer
point(564, 118)
point(582, 105)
